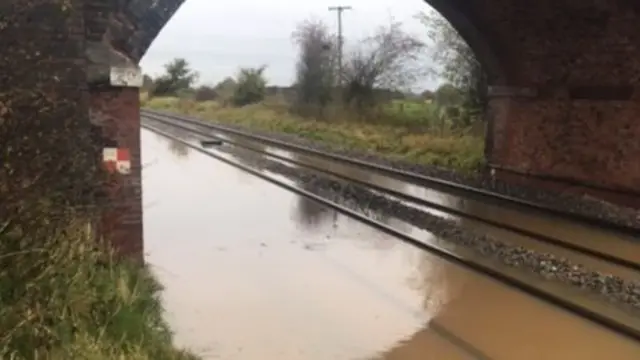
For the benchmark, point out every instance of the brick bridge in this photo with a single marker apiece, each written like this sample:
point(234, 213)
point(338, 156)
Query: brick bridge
point(564, 76)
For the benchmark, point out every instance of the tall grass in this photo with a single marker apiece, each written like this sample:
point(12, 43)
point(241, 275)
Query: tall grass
point(420, 137)
point(62, 296)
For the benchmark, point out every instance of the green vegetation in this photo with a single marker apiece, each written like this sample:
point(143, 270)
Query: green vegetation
point(251, 87)
point(460, 150)
point(178, 79)
point(62, 296)
point(365, 105)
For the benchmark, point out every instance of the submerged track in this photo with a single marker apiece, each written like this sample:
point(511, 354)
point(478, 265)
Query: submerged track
point(612, 252)
point(423, 180)
point(207, 133)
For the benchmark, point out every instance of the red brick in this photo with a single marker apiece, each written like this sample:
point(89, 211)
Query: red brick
point(117, 111)
point(581, 58)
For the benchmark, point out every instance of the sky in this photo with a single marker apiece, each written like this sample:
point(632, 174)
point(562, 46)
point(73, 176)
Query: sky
point(218, 37)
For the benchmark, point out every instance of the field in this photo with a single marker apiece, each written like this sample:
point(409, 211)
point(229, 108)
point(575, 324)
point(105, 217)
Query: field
point(411, 131)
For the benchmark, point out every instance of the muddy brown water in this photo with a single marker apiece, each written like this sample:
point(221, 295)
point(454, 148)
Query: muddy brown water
point(620, 246)
point(252, 271)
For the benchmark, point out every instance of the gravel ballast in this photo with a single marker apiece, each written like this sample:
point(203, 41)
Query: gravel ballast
point(610, 287)
point(570, 203)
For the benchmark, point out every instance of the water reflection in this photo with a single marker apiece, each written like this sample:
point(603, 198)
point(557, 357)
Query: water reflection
point(179, 149)
point(469, 207)
point(436, 287)
point(309, 213)
point(176, 148)
point(359, 205)
point(228, 284)
point(312, 215)
point(264, 292)
point(247, 157)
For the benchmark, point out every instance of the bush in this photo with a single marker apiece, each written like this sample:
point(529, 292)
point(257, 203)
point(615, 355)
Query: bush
point(419, 133)
point(178, 77)
point(205, 93)
point(63, 297)
point(251, 87)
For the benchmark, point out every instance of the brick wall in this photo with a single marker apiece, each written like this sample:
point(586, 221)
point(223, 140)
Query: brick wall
point(118, 33)
point(49, 138)
point(117, 111)
point(593, 142)
point(43, 102)
point(568, 91)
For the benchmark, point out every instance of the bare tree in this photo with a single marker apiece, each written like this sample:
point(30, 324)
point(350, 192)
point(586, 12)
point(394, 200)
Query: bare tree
point(316, 67)
point(389, 60)
point(457, 62)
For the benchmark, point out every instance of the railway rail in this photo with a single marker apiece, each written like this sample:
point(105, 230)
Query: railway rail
point(419, 179)
point(207, 132)
point(614, 237)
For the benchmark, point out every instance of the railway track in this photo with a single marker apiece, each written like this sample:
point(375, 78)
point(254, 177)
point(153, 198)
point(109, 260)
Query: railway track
point(616, 247)
point(612, 320)
point(422, 180)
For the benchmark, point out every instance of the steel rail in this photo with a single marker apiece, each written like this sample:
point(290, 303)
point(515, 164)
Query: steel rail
point(605, 321)
point(423, 202)
point(585, 220)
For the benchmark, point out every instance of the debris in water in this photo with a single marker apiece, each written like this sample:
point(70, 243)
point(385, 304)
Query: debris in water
point(209, 143)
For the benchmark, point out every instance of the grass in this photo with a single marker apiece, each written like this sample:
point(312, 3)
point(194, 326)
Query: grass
point(63, 297)
point(422, 139)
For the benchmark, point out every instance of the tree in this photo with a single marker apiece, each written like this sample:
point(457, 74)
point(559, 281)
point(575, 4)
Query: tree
point(251, 86)
point(225, 89)
point(205, 93)
point(427, 95)
point(147, 83)
point(316, 67)
point(390, 59)
point(448, 95)
point(178, 78)
point(457, 63)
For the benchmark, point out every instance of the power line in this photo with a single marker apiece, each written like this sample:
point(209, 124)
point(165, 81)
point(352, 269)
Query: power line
point(339, 10)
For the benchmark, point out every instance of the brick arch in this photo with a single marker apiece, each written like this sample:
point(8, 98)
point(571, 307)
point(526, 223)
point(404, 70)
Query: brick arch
point(121, 31)
point(130, 27)
point(473, 30)
point(564, 77)
point(150, 20)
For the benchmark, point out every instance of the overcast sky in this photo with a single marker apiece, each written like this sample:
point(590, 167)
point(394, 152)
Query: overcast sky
point(218, 37)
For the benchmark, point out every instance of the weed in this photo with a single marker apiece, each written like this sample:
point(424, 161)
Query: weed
point(63, 296)
point(418, 137)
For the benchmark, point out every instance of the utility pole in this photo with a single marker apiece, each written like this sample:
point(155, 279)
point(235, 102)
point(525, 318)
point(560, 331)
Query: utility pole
point(339, 10)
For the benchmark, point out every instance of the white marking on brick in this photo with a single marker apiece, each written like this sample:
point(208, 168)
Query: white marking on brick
point(124, 167)
point(117, 160)
point(110, 154)
point(126, 77)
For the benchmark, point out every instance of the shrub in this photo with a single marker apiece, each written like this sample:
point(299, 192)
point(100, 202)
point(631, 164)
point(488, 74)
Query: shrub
point(205, 93)
point(63, 297)
point(251, 86)
point(178, 76)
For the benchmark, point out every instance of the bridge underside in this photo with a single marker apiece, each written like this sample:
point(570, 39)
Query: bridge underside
point(564, 96)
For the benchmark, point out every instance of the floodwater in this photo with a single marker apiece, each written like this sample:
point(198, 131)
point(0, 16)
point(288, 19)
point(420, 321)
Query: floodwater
point(619, 246)
point(255, 272)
